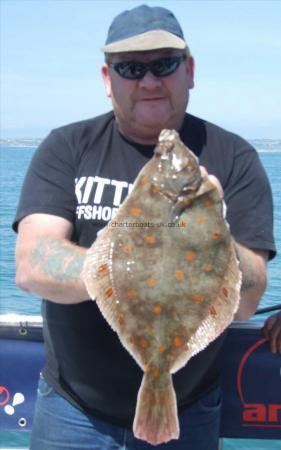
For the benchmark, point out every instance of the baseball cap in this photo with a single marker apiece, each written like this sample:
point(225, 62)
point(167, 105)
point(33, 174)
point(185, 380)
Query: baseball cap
point(144, 28)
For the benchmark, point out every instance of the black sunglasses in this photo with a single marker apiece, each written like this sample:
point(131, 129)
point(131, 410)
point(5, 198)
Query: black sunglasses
point(135, 70)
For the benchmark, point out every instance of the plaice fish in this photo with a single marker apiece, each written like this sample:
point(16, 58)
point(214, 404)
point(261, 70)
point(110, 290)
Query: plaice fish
point(165, 276)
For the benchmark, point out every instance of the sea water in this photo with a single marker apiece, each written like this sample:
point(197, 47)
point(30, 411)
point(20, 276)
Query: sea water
point(13, 165)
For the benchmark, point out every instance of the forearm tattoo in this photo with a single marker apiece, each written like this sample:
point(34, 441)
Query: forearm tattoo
point(56, 259)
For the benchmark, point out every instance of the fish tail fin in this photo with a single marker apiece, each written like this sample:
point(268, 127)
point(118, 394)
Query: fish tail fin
point(156, 419)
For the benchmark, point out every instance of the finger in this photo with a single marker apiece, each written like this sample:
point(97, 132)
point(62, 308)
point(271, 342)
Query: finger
point(203, 171)
point(216, 182)
point(275, 336)
point(278, 345)
point(212, 179)
point(273, 346)
point(271, 340)
point(268, 324)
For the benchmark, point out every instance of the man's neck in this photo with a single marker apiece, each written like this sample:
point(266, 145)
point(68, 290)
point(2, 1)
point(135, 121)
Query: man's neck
point(141, 134)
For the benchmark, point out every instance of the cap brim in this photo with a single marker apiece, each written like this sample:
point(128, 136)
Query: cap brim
point(151, 40)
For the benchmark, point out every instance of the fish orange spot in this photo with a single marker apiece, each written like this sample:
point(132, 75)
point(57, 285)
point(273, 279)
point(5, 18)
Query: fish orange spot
point(197, 298)
point(126, 248)
point(121, 321)
point(151, 281)
point(131, 339)
point(168, 194)
point(103, 268)
point(186, 201)
point(147, 369)
point(216, 236)
point(161, 348)
point(225, 292)
point(156, 373)
point(208, 203)
point(132, 293)
point(143, 343)
point(208, 267)
point(177, 341)
point(179, 275)
point(190, 256)
point(144, 180)
point(154, 189)
point(213, 311)
point(109, 292)
point(202, 220)
point(190, 164)
point(150, 239)
point(135, 212)
point(157, 309)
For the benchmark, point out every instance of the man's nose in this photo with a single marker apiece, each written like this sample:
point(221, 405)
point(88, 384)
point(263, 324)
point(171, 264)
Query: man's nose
point(150, 81)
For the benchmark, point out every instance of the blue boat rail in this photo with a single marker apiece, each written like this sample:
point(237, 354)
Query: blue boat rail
point(251, 377)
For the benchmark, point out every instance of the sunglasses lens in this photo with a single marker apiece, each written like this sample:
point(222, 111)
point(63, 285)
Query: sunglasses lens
point(165, 66)
point(136, 70)
point(130, 70)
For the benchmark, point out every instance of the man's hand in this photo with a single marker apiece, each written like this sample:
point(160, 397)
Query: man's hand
point(214, 180)
point(272, 330)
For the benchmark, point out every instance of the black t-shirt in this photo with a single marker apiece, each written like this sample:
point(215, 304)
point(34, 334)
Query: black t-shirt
point(83, 172)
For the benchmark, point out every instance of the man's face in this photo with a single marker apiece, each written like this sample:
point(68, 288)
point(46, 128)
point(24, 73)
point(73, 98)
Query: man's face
point(143, 107)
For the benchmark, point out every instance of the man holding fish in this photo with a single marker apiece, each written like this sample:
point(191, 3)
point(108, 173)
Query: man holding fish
point(166, 293)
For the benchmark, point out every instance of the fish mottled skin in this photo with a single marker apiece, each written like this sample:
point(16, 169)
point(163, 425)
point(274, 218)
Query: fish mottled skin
point(165, 276)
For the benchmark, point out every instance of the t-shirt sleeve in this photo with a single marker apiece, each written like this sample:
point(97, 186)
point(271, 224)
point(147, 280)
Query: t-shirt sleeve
point(249, 202)
point(49, 184)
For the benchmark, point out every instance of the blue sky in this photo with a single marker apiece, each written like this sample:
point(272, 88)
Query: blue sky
point(50, 61)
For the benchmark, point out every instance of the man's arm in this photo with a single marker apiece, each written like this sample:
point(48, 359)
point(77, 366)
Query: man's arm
point(253, 267)
point(47, 263)
point(254, 279)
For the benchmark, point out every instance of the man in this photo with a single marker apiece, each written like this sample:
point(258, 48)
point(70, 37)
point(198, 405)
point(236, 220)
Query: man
point(78, 177)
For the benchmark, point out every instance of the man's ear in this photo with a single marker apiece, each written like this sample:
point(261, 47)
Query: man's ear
point(190, 68)
point(106, 79)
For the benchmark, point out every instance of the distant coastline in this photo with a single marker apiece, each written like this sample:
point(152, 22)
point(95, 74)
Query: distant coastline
point(266, 145)
point(21, 143)
point(261, 145)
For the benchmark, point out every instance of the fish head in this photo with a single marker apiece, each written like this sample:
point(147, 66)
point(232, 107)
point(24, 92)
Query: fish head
point(177, 170)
